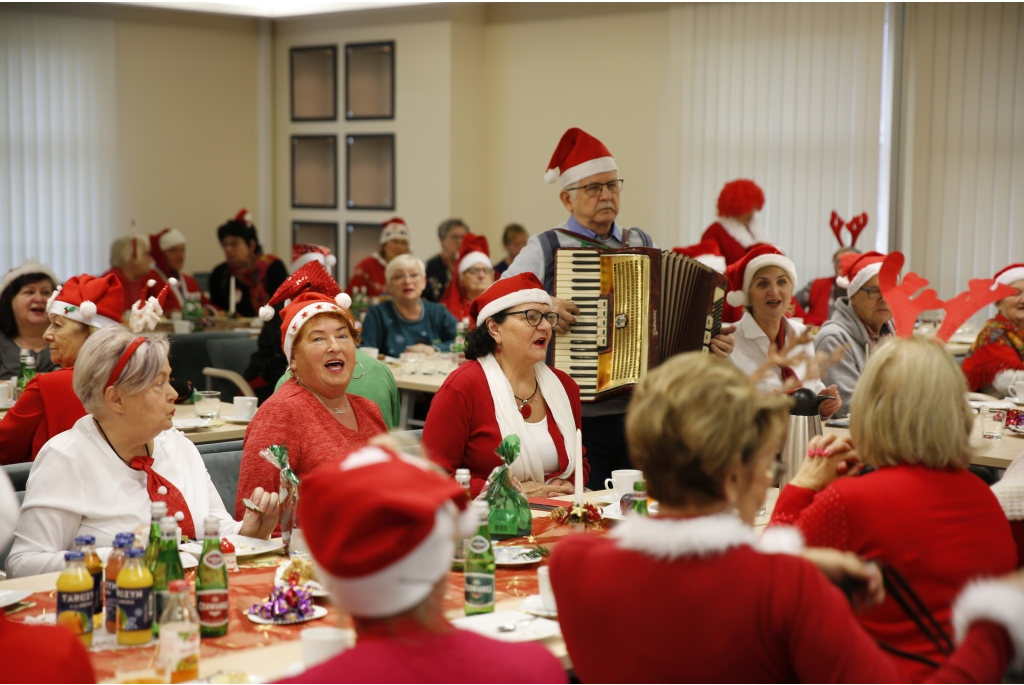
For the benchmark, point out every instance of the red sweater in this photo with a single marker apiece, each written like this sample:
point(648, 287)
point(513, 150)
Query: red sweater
point(313, 436)
point(48, 406)
point(172, 304)
point(461, 431)
point(416, 656)
point(370, 273)
point(731, 616)
point(819, 300)
point(42, 654)
point(939, 528)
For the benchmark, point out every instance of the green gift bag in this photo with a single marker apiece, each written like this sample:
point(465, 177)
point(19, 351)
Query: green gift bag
point(510, 511)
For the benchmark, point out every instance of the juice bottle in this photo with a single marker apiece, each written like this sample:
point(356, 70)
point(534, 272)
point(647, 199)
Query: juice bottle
point(134, 600)
point(212, 583)
point(167, 567)
point(75, 597)
point(479, 576)
point(115, 562)
point(87, 545)
point(157, 510)
point(178, 659)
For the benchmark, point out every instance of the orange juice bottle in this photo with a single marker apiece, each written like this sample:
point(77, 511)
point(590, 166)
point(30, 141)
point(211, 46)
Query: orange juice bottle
point(75, 597)
point(115, 562)
point(134, 600)
point(87, 545)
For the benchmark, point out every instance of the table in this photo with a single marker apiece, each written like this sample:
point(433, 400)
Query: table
point(408, 385)
point(997, 453)
point(220, 432)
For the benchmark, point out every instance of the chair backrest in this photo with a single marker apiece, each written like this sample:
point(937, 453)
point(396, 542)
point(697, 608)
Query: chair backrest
point(232, 354)
point(18, 473)
point(223, 468)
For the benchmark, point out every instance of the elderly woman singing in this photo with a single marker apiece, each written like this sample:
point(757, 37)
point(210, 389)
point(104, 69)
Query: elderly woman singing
point(100, 477)
point(507, 389)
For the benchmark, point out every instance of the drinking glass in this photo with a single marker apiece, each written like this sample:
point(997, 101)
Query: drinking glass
point(410, 363)
point(992, 421)
point(207, 404)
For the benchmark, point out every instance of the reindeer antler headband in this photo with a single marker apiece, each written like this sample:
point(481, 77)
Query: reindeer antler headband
point(855, 226)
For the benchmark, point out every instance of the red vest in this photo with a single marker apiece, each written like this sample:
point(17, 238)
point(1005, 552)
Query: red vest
point(63, 408)
point(819, 300)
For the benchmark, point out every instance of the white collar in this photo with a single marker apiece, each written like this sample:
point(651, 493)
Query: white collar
point(751, 329)
point(380, 260)
point(704, 536)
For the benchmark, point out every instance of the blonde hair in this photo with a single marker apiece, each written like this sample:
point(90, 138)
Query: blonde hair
point(404, 261)
point(99, 356)
point(693, 420)
point(122, 248)
point(910, 407)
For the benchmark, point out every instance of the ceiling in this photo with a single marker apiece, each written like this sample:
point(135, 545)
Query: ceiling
point(277, 9)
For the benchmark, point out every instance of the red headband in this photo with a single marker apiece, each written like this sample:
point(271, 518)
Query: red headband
point(123, 361)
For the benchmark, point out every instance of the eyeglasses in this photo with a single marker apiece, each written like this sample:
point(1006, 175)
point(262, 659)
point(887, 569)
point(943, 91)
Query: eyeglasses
point(872, 293)
point(534, 316)
point(594, 189)
point(479, 271)
point(402, 276)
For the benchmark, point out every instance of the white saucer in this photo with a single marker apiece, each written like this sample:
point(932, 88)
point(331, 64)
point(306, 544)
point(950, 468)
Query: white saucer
point(510, 556)
point(1016, 400)
point(9, 597)
point(607, 499)
point(191, 424)
point(232, 419)
point(535, 605)
point(526, 630)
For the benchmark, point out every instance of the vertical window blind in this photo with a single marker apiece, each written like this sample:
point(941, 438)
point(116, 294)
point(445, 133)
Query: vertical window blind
point(57, 140)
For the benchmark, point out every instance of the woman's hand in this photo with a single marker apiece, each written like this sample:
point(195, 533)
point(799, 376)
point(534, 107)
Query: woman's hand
point(862, 581)
point(723, 343)
point(830, 407)
point(261, 525)
point(556, 488)
point(828, 457)
point(420, 348)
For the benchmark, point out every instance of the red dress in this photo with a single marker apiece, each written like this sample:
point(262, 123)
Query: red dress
point(940, 528)
point(42, 654)
point(414, 655)
point(313, 436)
point(638, 608)
point(48, 406)
point(461, 431)
point(370, 273)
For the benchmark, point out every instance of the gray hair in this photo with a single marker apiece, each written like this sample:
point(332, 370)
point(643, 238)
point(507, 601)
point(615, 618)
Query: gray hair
point(449, 224)
point(404, 261)
point(121, 249)
point(98, 357)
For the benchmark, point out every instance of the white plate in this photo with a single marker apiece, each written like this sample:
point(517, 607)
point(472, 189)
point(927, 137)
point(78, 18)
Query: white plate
point(249, 547)
point(612, 511)
point(318, 612)
point(509, 556)
point(535, 605)
point(9, 597)
point(315, 588)
point(608, 499)
point(232, 419)
point(191, 424)
point(487, 625)
point(1019, 430)
point(1016, 400)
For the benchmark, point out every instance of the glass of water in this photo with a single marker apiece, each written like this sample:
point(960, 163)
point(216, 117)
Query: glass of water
point(993, 418)
point(410, 363)
point(207, 404)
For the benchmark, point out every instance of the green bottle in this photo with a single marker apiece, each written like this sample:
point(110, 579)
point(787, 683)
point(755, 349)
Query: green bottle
point(639, 505)
point(212, 583)
point(167, 567)
point(479, 576)
point(463, 478)
point(26, 371)
point(157, 511)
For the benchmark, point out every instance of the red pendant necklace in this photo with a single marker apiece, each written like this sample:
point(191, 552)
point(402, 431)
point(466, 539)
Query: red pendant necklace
point(524, 405)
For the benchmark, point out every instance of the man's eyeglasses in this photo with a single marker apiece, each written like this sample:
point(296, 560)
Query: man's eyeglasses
point(872, 293)
point(479, 271)
point(404, 276)
point(594, 189)
point(534, 316)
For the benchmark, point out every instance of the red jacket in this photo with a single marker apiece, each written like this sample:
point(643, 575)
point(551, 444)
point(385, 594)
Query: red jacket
point(731, 249)
point(191, 285)
point(655, 610)
point(940, 528)
point(42, 654)
point(370, 273)
point(48, 406)
point(818, 301)
point(461, 431)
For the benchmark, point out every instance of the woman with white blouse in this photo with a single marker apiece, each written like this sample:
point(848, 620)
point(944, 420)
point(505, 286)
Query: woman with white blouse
point(100, 477)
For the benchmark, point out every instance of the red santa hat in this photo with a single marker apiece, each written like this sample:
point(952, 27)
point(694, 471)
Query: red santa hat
point(303, 253)
point(29, 267)
point(858, 269)
point(578, 156)
point(311, 291)
point(474, 251)
point(1011, 274)
point(394, 229)
point(506, 293)
point(706, 252)
point(168, 238)
point(740, 197)
point(741, 273)
point(146, 313)
point(243, 217)
point(383, 549)
point(90, 300)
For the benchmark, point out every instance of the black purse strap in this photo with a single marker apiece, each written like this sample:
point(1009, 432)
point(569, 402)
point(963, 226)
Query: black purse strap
point(903, 594)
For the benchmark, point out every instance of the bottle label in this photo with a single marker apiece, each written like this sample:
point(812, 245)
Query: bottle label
point(213, 607)
point(74, 610)
point(479, 544)
point(97, 594)
point(110, 594)
point(479, 589)
point(134, 608)
point(179, 650)
point(213, 559)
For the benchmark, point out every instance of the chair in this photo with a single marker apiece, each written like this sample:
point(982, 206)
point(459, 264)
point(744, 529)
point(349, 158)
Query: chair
point(18, 473)
point(223, 461)
point(229, 357)
point(189, 354)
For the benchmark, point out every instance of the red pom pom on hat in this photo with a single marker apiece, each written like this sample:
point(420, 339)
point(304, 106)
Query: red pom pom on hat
point(740, 197)
point(741, 273)
point(506, 293)
point(577, 156)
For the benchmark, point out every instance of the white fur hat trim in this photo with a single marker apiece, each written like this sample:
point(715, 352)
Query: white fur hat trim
point(297, 321)
point(591, 167)
point(738, 298)
point(172, 238)
point(471, 260)
point(862, 277)
point(995, 601)
point(511, 300)
point(78, 313)
point(1011, 276)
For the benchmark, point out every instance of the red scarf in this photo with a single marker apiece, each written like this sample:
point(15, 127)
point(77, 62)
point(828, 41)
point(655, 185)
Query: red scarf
point(780, 343)
point(255, 279)
point(999, 347)
point(162, 490)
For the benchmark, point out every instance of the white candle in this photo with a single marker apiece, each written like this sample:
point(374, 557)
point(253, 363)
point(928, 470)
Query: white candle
point(578, 470)
point(231, 297)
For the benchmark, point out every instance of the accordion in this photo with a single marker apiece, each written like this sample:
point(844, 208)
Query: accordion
point(638, 307)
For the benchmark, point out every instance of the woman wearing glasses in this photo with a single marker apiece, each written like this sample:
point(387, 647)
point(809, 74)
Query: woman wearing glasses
point(861, 321)
point(407, 322)
point(507, 389)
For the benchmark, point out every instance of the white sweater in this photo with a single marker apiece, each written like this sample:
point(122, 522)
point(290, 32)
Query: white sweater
point(751, 353)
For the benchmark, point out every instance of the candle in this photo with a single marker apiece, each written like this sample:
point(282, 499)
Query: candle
point(231, 297)
point(578, 470)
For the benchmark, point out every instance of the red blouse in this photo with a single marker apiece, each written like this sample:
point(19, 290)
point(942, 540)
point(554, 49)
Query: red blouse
point(48, 406)
point(462, 432)
point(295, 417)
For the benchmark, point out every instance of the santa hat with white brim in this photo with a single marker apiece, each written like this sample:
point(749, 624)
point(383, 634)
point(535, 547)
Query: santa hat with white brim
point(382, 550)
point(304, 253)
point(474, 251)
point(90, 300)
point(171, 237)
point(507, 293)
point(707, 252)
point(578, 155)
point(1011, 274)
point(304, 308)
point(741, 273)
point(858, 269)
point(29, 267)
point(394, 229)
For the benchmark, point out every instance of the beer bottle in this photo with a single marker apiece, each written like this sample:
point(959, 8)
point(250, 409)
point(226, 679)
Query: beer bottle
point(157, 511)
point(479, 576)
point(462, 477)
point(212, 583)
point(639, 505)
point(26, 371)
point(167, 567)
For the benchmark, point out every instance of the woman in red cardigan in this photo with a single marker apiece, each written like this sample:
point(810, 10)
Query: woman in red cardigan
point(921, 512)
point(709, 601)
point(507, 389)
point(49, 405)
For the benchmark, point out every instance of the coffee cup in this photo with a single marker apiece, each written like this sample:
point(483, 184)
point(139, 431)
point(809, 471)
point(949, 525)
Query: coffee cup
point(1017, 390)
point(622, 481)
point(320, 644)
point(183, 326)
point(547, 595)
point(6, 393)
point(245, 407)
